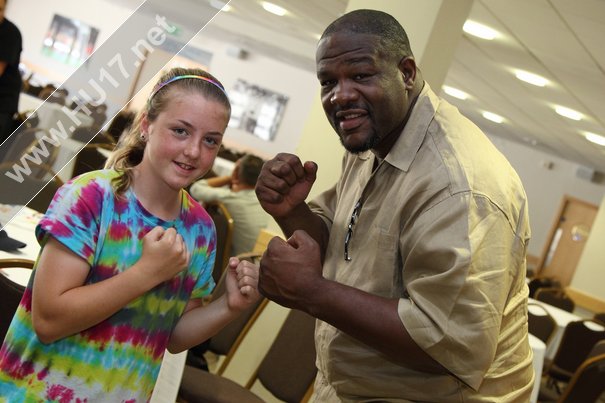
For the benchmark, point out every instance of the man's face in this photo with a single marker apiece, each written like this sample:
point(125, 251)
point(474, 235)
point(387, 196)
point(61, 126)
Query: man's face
point(362, 90)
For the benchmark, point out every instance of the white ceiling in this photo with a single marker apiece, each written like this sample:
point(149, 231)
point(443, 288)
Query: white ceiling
point(561, 40)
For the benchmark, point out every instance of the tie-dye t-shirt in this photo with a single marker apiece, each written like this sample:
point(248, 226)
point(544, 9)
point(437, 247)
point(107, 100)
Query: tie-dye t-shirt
point(117, 360)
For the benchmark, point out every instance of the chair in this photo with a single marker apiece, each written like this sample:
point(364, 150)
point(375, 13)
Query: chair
point(21, 140)
point(90, 159)
point(600, 316)
point(223, 223)
point(287, 370)
point(540, 323)
point(579, 337)
point(555, 297)
point(541, 282)
point(228, 339)
point(37, 193)
point(586, 385)
point(11, 292)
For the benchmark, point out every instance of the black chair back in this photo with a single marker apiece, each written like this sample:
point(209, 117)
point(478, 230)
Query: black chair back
point(540, 323)
point(579, 337)
point(223, 222)
point(556, 297)
point(288, 369)
point(588, 382)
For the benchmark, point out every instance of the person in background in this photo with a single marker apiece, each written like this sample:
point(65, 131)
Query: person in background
point(126, 260)
point(10, 77)
point(414, 262)
point(236, 192)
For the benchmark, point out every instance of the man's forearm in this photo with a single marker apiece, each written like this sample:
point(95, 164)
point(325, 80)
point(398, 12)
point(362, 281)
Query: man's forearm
point(304, 219)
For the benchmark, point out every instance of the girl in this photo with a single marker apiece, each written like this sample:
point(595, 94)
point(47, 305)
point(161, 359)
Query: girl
point(126, 258)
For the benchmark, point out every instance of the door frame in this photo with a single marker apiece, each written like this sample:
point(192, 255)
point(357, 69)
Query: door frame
point(553, 229)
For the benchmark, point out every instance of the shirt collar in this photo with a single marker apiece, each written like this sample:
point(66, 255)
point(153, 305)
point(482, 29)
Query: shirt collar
point(407, 145)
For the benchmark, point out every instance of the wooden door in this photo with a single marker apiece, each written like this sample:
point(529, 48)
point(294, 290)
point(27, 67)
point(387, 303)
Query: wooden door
point(567, 238)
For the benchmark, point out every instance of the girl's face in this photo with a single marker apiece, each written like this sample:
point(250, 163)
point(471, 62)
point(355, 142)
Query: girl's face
point(184, 139)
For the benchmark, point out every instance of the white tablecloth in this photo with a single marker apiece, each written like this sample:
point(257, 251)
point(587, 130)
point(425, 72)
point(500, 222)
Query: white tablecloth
point(50, 114)
point(22, 228)
point(538, 348)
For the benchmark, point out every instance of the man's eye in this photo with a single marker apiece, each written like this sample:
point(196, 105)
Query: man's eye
point(326, 83)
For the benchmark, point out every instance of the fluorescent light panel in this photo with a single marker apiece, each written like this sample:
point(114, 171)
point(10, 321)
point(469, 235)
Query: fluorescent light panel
point(568, 113)
point(274, 9)
point(455, 92)
point(595, 138)
point(531, 78)
point(493, 117)
point(479, 30)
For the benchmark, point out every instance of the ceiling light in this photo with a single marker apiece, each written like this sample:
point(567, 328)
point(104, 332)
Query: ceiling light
point(454, 92)
point(595, 138)
point(568, 113)
point(531, 78)
point(479, 30)
point(273, 8)
point(493, 117)
point(220, 5)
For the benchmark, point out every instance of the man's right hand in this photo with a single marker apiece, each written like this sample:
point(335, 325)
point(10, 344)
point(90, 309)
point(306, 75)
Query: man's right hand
point(284, 183)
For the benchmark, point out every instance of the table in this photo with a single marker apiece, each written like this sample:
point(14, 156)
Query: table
point(50, 114)
point(562, 318)
point(223, 167)
point(538, 348)
point(22, 228)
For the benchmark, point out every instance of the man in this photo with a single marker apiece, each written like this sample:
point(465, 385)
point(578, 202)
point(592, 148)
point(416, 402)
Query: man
point(236, 192)
point(414, 262)
point(10, 77)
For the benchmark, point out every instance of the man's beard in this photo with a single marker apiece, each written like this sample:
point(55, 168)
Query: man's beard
point(369, 144)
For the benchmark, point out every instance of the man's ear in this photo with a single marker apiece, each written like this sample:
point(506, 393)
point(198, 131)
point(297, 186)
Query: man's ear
point(407, 66)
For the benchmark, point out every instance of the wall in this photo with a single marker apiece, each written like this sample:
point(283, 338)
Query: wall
point(299, 85)
point(33, 19)
point(545, 188)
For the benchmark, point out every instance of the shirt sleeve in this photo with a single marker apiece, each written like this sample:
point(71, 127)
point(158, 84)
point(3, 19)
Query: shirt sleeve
point(204, 193)
point(462, 256)
point(73, 217)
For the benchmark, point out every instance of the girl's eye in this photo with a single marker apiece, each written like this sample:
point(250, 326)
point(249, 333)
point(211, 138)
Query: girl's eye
point(211, 141)
point(180, 131)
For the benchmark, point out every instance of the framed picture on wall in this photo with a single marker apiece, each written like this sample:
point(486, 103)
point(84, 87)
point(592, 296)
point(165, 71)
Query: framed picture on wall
point(256, 110)
point(69, 41)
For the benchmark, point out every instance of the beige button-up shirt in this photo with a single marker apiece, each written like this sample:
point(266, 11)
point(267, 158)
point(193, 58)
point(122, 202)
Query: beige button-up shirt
point(443, 227)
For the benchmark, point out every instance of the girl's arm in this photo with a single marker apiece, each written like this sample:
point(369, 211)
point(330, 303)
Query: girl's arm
point(199, 323)
point(62, 305)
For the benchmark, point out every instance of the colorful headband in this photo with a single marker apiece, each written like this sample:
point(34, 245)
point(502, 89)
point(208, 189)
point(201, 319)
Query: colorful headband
point(176, 78)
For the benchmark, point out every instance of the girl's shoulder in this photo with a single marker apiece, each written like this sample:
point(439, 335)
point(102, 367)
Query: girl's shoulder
point(94, 185)
point(99, 176)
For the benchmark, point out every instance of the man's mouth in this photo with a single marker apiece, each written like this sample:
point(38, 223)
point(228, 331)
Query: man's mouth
point(349, 120)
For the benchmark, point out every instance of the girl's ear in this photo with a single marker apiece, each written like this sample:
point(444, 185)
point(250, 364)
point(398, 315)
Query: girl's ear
point(144, 126)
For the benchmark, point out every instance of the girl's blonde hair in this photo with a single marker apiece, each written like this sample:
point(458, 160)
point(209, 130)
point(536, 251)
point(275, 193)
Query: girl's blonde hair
point(129, 152)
